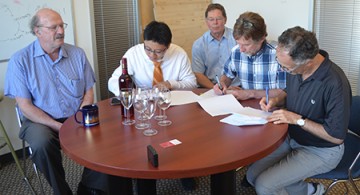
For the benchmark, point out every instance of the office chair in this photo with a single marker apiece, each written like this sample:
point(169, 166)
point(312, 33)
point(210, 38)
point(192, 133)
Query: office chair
point(8, 143)
point(348, 170)
point(20, 120)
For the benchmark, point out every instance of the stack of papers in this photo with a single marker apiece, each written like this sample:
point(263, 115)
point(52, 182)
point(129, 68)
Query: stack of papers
point(243, 120)
point(217, 105)
point(247, 116)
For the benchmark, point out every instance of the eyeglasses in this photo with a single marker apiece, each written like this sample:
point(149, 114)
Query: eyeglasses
point(246, 24)
point(155, 51)
point(55, 27)
point(283, 68)
point(215, 19)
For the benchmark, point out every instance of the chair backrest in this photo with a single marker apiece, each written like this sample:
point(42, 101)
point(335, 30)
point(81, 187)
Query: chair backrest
point(18, 115)
point(354, 123)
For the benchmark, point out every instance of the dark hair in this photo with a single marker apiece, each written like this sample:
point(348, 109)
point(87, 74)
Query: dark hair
point(214, 6)
point(301, 44)
point(158, 32)
point(250, 25)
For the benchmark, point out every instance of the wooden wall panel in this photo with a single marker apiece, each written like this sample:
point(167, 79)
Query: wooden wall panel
point(186, 19)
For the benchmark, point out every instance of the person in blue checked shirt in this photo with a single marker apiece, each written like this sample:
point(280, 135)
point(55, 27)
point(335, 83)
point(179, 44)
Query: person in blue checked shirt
point(253, 60)
point(50, 80)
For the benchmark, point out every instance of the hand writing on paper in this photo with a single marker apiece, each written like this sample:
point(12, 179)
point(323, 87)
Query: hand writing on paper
point(267, 106)
point(217, 89)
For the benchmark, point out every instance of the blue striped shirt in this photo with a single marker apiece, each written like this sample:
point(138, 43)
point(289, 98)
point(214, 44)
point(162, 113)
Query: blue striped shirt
point(259, 71)
point(56, 87)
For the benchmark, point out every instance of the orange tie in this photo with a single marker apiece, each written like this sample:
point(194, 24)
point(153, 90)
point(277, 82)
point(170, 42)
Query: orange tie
point(158, 76)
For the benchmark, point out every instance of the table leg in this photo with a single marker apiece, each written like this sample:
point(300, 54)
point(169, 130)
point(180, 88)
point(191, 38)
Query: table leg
point(146, 186)
point(118, 184)
point(223, 183)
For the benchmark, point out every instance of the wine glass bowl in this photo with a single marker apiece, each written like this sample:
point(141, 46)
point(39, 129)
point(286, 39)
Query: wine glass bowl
point(126, 98)
point(140, 106)
point(164, 101)
point(157, 89)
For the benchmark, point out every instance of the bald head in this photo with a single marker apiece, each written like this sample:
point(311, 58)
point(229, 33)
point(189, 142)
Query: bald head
point(42, 17)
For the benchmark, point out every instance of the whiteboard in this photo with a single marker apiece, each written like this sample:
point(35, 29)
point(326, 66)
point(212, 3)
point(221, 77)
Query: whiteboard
point(15, 16)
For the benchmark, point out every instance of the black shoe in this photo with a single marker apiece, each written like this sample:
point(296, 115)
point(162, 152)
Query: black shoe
point(189, 184)
point(83, 190)
point(245, 183)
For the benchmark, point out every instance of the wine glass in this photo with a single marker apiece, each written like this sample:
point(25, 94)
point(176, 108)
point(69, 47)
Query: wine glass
point(139, 105)
point(164, 101)
point(150, 108)
point(157, 89)
point(126, 98)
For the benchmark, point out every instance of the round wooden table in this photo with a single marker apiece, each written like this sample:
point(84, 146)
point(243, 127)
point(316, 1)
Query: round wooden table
point(208, 146)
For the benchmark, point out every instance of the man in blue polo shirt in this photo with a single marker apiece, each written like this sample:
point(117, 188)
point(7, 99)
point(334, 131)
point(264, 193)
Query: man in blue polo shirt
point(317, 101)
point(252, 60)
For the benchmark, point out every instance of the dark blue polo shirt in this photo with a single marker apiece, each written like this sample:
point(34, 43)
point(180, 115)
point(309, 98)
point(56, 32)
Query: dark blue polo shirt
point(325, 98)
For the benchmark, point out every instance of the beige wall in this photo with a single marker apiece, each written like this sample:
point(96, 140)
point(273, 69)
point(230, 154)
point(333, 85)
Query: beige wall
point(279, 15)
point(146, 14)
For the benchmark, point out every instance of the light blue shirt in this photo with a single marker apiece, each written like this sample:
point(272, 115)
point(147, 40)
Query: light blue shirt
point(56, 87)
point(209, 55)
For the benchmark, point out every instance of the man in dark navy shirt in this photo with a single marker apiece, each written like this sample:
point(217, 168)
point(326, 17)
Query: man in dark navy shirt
point(317, 101)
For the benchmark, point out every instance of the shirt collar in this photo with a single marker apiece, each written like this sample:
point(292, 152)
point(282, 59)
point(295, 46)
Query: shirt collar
point(40, 52)
point(261, 51)
point(324, 67)
point(226, 35)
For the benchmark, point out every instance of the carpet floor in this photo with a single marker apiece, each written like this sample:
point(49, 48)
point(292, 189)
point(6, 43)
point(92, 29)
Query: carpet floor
point(11, 182)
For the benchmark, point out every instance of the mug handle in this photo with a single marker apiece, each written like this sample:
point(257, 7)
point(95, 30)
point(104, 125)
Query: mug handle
point(80, 122)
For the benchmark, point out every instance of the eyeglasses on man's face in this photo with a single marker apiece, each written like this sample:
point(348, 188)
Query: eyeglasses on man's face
point(54, 27)
point(217, 19)
point(155, 51)
point(283, 68)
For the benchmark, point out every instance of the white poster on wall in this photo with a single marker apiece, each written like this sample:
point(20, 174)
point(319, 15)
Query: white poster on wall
point(15, 16)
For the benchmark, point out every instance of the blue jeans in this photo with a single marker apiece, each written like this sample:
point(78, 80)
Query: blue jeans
point(286, 168)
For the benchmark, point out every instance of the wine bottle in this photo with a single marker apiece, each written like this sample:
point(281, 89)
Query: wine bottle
point(125, 81)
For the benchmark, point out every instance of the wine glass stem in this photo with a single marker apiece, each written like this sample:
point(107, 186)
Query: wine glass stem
point(127, 115)
point(163, 113)
point(148, 120)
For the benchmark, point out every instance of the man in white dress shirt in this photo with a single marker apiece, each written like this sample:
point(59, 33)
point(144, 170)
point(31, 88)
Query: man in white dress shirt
point(176, 74)
point(157, 47)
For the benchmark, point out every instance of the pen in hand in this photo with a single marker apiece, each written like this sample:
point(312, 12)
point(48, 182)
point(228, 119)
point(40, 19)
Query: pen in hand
point(218, 82)
point(267, 95)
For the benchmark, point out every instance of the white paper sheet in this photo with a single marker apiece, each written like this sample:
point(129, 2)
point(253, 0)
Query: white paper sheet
point(254, 112)
point(209, 94)
point(220, 105)
point(243, 120)
point(183, 97)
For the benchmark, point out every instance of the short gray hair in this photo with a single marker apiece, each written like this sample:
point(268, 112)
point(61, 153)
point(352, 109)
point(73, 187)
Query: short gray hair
point(301, 44)
point(34, 22)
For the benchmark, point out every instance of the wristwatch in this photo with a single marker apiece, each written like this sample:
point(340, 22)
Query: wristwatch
point(301, 122)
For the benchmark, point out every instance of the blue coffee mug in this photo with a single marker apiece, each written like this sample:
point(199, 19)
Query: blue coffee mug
point(90, 115)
